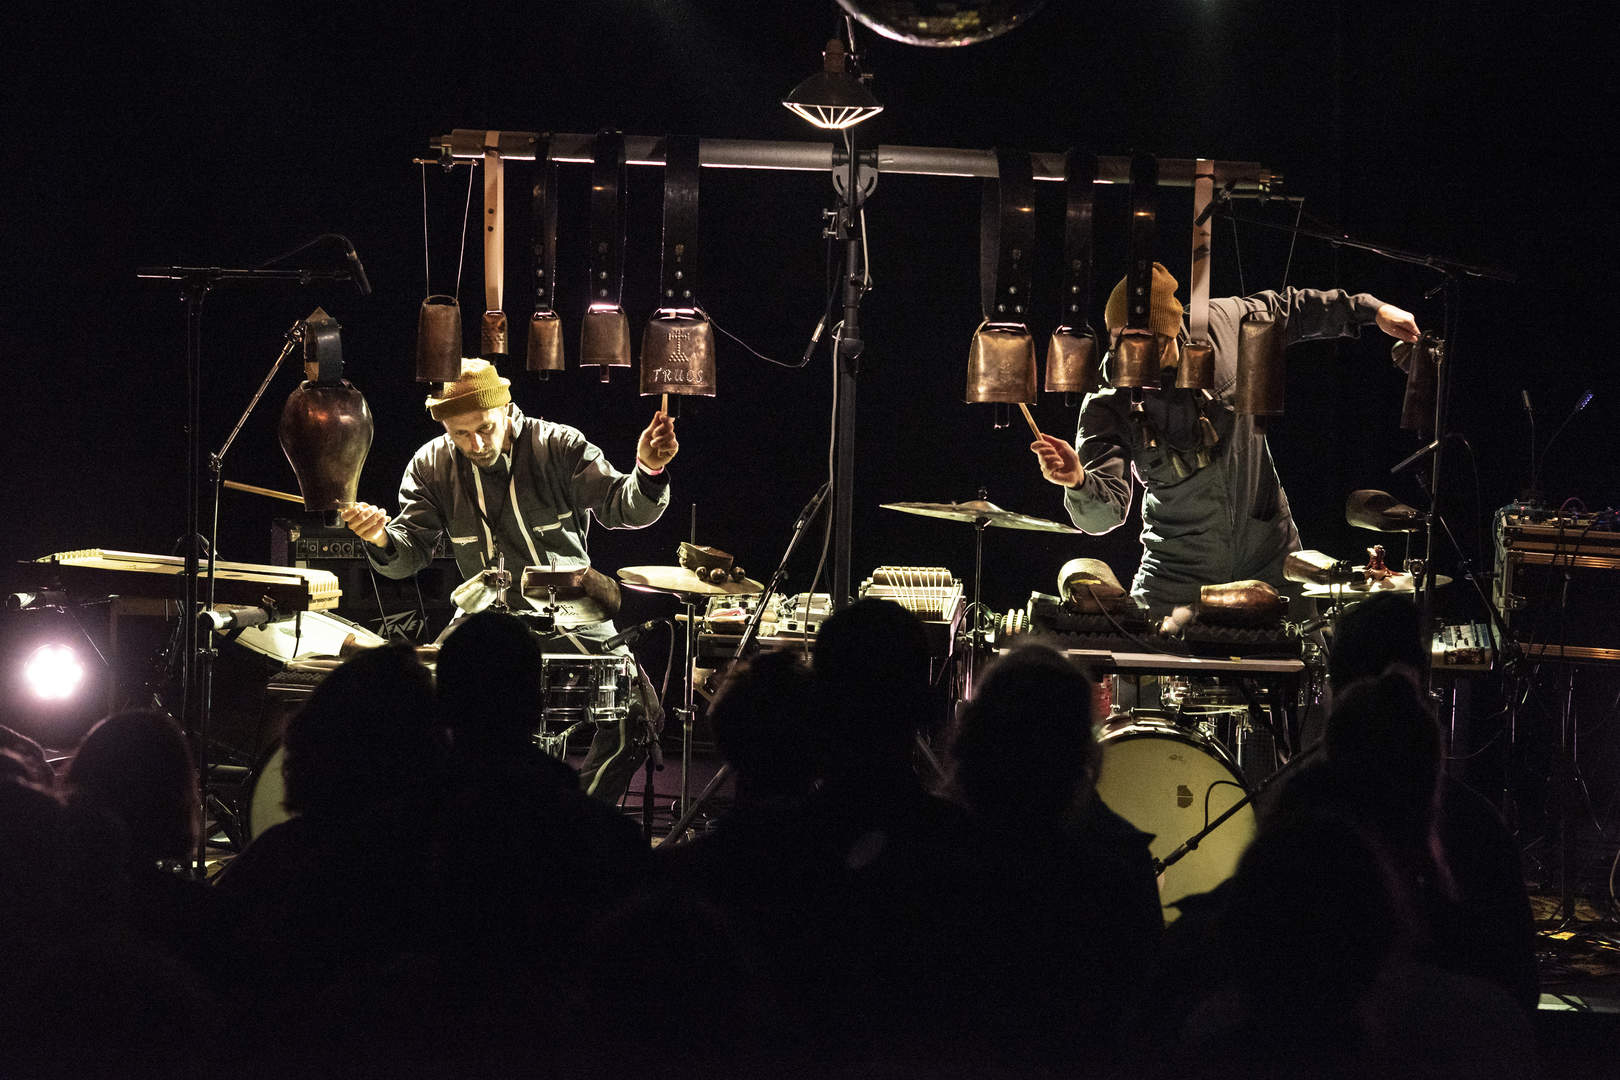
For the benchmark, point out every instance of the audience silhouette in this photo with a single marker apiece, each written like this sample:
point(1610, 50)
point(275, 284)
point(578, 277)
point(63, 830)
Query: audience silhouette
point(443, 900)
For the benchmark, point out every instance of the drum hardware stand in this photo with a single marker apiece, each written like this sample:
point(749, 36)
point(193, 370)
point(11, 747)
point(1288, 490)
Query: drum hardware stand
point(689, 811)
point(1192, 842)
point(976, 631)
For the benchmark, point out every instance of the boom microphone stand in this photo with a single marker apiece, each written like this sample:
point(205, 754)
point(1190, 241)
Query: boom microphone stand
point(195, 283)
point(690, 810)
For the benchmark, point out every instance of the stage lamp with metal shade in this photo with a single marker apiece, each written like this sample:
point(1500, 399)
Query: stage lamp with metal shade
point(834, 98)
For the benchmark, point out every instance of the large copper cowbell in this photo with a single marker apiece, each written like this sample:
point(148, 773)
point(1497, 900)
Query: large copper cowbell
point(677, 354)
point(604, 339)
point(1260, 371)
point(326, 432)
point(438, 340)
point(545, 351)
point(1197, 368)
point(1134, 361)
point(1071, 362)
point(1001, 365)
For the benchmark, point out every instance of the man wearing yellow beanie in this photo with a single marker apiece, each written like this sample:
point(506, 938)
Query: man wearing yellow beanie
point(1213, 509)
point(499, 483)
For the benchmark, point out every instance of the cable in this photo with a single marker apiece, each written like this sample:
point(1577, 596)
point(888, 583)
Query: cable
point(427, 266)
point(1237, 258)
point(1211, 789)
point(1292, 240)
point(756, 352)
point(1147, 645)
point(466, 214)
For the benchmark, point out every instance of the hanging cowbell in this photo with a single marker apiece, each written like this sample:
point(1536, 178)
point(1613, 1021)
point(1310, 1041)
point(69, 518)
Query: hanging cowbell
point(438, 339)
point(604, 338)
point(677, 347)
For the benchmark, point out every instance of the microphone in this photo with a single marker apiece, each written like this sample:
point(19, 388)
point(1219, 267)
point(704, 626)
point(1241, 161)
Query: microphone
point(1546, 451)
point(632, 635)
point(1221, 198)
point(1530, 413)
point(815, 339)
point(811, 507)
point(357, 271)
point(223, 617)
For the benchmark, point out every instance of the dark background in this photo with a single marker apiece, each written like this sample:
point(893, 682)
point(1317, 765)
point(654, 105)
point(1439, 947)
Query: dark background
point(188, 133)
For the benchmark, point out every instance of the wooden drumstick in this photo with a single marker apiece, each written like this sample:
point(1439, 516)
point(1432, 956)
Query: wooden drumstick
point(1030, 419)
point(271, 493)
point(267, 492)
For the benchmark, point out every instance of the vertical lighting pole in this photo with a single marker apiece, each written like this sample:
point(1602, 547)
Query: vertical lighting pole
point(836, 99)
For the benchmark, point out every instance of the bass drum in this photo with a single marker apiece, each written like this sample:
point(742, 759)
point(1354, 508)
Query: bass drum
point(264, 804)
point(1171, 782)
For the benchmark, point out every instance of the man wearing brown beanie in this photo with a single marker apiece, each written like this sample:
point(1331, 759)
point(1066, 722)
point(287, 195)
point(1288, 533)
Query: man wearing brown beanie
point(499, 483)
point(1213, 510)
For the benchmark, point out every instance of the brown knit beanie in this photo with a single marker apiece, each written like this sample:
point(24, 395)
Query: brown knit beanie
point(478, 387)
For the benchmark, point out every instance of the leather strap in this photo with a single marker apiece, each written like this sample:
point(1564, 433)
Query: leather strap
point(607, 220)
point(678, 273)
point(1007, 240)
point(1144, 210)
point(545, 226)
point(1202, 234)
point(1079, 185)
point(494, 222)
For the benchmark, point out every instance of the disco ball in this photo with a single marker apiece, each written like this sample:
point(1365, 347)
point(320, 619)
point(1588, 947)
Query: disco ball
point(941, 23)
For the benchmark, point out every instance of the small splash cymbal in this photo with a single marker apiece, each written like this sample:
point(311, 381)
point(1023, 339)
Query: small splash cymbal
point(1399, 583)
point(679, 581)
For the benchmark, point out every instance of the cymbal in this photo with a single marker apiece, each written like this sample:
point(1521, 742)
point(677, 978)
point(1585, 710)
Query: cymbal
point(977, 510)
point(1401, 583)
point(682, 582)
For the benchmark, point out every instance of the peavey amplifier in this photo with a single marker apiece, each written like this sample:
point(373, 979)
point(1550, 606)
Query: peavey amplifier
point(415, 608)
point(1558, 583)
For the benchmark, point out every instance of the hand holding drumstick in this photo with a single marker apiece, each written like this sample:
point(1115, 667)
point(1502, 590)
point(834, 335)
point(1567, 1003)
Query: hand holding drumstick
point(658, 444)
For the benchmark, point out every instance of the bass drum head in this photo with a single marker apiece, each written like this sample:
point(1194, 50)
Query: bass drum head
point(264, 805)
point(1159, 777)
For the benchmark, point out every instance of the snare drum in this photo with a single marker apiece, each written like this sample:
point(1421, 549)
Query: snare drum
point(1171, 781)
point(576, 689)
